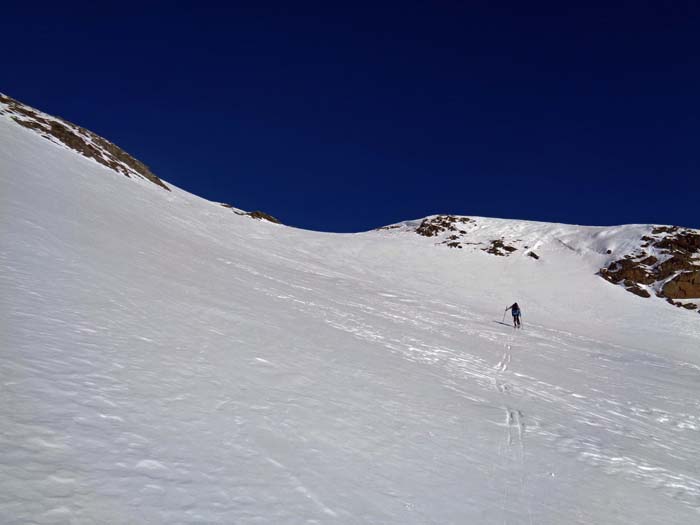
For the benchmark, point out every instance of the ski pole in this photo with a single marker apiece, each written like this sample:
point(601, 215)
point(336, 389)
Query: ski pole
point(504, 315)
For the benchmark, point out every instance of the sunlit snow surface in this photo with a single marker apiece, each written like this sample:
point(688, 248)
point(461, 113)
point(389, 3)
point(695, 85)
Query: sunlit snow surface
point(164, 360)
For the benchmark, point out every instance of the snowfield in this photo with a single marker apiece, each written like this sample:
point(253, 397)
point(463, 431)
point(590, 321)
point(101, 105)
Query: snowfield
point(165, 360)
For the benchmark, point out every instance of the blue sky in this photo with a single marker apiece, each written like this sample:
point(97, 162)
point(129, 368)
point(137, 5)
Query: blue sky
point(349, 118)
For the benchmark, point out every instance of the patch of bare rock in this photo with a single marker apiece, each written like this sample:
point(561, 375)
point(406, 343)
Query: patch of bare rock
point(257, 214)
point(453, 231)
point(667, 263)
point(498, 247)
point(78, 139)
point(433, 226)
point(442, 224)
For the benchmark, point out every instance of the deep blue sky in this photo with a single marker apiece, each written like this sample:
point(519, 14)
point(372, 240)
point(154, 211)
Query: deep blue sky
point(348, 118)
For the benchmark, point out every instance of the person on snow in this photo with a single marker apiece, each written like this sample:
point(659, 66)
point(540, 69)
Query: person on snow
point(515, 310)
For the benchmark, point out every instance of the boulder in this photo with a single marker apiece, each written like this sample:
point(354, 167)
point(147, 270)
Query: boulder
point(636, 290)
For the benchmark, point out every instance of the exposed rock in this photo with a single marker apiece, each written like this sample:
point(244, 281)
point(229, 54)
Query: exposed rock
point(453, 232)
point(683, 242)
point(626, 270)
point(634, 288)
point(498, 247)
point(673, 265)
point(435, 225)
point(262, 215)
point(533, 255)
point(685, 285)
point(78, 139)
point(664, 229)
point(690, 306)
point(673, 270)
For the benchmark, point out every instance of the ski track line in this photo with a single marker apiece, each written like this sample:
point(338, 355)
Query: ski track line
point(514, 434)
point(620, 420)
point(302, 489)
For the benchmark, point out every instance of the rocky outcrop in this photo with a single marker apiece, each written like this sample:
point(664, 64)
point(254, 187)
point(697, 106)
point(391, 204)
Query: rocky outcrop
point(433, 226)
point(261, 215)
point(498, 247)
point(634, 288)
point(453, 231)
point(78, 139)
point(672, 271)
point(257, 214)
point(628, 270)
point(685, 285)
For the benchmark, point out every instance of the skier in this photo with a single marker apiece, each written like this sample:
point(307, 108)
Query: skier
point(515, 310)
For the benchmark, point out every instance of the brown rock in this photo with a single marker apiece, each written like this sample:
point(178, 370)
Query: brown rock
point(684, 286)
point(498, 247)
point(636, 290)
point(436, 225)
point(671, 266)
point(262, 215)
point(664, 229)
point(627, 269)
point(640, 268)
point(683, 242)
point(81, 140)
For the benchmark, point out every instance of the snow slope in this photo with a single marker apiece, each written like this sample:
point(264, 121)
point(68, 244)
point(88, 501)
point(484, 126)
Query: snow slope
point(165, 360)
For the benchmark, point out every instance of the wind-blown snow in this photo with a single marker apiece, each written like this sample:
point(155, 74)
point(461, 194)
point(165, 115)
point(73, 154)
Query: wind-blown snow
point(165, 360)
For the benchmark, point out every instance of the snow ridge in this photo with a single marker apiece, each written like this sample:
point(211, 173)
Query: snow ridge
point(646, 260)
point(79, 139)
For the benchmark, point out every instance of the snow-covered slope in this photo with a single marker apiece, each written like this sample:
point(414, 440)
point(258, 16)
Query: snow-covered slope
point(644, 259)
point(164, 359)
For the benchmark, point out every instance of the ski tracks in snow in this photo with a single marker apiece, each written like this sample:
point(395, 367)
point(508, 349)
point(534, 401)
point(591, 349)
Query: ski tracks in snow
point(512, 448)
point(303, 489)
point(593, 402)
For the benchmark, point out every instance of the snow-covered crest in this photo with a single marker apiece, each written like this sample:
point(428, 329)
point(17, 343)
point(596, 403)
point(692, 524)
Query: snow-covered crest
point(76, 138)
point(645, 259)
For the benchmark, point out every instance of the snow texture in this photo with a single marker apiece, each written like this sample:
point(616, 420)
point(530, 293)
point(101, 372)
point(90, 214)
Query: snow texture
point(165, 360)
